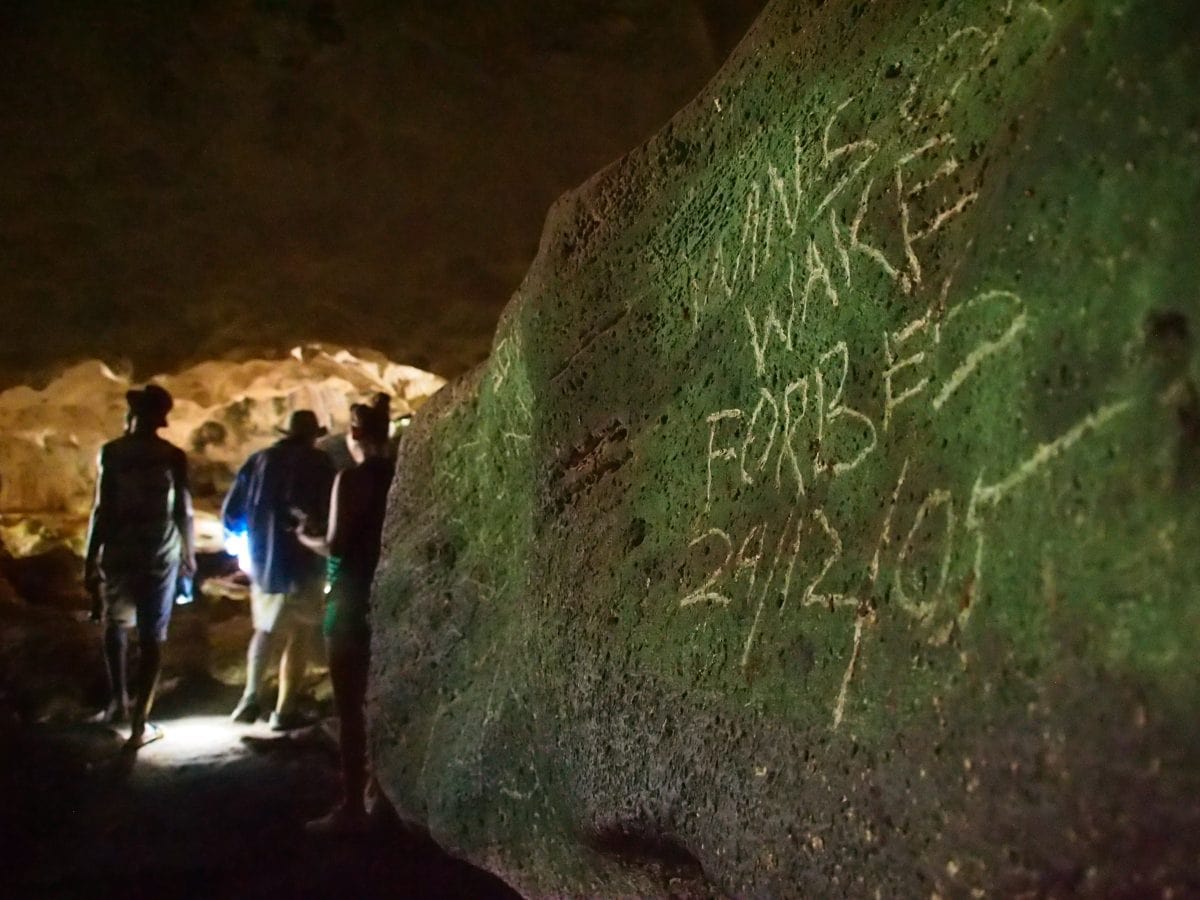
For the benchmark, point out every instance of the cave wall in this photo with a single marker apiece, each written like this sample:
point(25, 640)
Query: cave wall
point(823, 520)
point(224, 411)
point(183, 181)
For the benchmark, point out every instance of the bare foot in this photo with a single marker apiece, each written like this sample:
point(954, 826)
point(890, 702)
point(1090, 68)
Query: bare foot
point(113, 714)
point(342, 820)
point(140, 737)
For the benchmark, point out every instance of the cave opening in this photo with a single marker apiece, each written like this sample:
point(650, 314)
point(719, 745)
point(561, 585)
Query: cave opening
point(263, 208)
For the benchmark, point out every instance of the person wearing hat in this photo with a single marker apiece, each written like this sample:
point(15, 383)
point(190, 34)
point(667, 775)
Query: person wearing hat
point(275, 490)
point(139, 543)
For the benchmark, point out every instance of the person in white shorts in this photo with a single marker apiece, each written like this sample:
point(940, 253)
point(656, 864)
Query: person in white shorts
point(275, 491)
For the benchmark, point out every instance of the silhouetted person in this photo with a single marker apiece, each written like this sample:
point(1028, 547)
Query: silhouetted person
point(287, 483)
point(344, 450)
point(139, 544)
point(356, 515)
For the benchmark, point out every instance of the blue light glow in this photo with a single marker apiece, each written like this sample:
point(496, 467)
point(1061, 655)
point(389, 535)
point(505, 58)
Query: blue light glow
point(237, 543)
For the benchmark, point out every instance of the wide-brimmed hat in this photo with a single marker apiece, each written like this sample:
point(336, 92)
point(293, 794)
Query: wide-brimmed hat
point(303, 424)
point(151, 402)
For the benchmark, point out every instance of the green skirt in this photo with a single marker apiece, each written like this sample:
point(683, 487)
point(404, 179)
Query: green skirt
point(348, 604)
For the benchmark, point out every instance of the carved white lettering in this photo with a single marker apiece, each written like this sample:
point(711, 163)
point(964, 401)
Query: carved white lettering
point(725, 452)
point(705, 593)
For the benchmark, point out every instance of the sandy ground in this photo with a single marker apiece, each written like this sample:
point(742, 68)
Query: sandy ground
point(211, 810)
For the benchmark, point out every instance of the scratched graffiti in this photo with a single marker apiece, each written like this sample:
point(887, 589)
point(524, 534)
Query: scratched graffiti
point(808, 229)
point(835, 461)
point(482, 468)
point(925, 187)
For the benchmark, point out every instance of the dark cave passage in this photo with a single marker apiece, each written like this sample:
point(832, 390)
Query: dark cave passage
point(212, 810)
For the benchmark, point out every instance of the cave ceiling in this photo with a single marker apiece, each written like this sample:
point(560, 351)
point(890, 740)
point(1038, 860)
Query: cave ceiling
point(187, 181)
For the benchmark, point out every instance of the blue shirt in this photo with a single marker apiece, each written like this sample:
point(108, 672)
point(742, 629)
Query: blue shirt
point(272, 488)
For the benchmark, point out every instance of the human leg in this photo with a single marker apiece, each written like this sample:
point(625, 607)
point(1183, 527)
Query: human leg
point(299, 617)
point(349, 664)
point(265, 612)
point(258, 657)
point(153, 616)
point(149, 666)
point(293, 665)
point(116, 650)
point(119, 615)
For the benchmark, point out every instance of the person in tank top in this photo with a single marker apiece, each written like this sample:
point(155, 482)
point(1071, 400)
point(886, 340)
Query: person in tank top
point(356, 513)
point(139, 544)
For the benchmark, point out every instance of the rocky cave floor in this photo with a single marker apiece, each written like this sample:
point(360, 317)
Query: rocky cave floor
point(213, 809)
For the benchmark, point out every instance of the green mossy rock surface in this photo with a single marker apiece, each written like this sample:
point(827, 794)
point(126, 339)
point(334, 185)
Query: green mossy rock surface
point(825, 519)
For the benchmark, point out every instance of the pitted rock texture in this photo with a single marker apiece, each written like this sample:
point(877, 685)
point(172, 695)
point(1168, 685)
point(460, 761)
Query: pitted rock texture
point(823, 522)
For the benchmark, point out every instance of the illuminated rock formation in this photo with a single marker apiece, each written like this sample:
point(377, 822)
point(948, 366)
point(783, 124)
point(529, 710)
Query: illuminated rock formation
point(824, 520)
point(224, 411)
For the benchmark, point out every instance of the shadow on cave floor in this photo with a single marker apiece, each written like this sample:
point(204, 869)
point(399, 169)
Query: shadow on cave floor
point(201, 813)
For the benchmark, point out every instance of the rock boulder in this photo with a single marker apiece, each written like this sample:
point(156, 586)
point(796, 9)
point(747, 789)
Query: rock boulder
point(823, 521)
